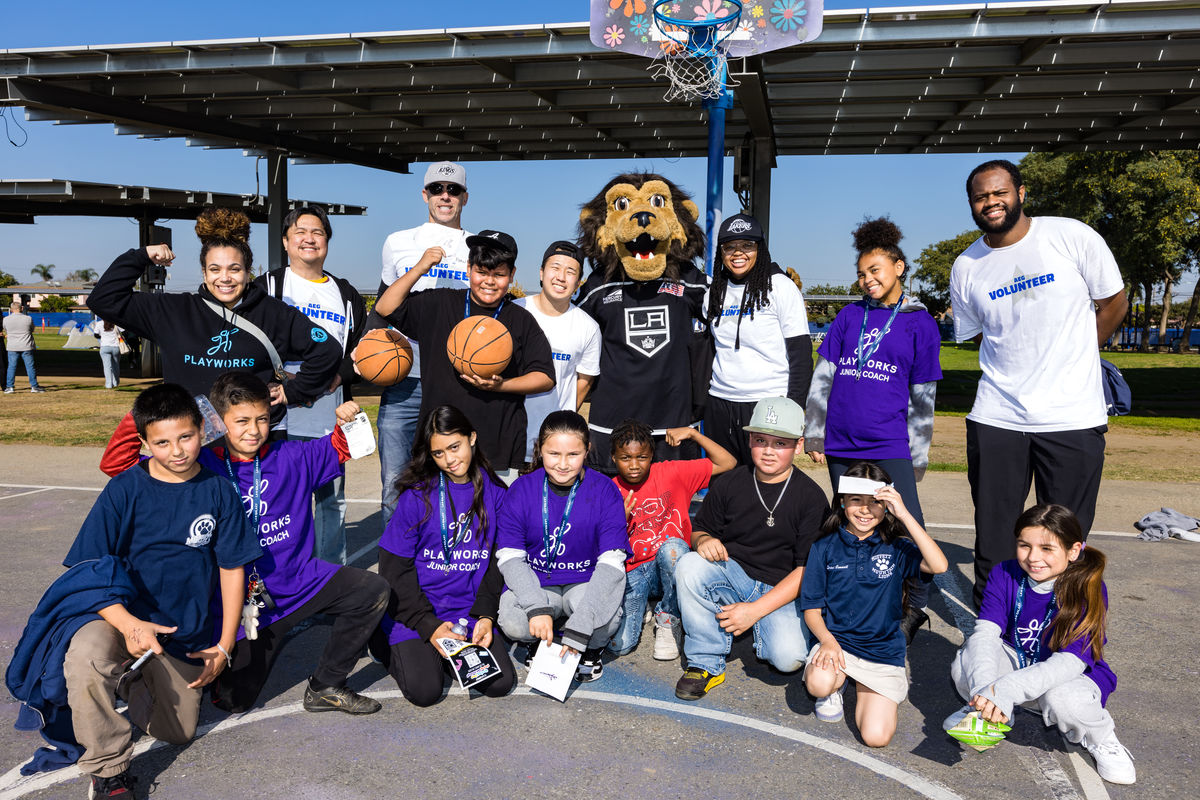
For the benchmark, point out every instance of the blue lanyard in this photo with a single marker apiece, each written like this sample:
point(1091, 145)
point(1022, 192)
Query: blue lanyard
point(1032, 657)
point(550, 539)
point(448, 543)
point(467, 306)
point(865, 351)
point(255, 489)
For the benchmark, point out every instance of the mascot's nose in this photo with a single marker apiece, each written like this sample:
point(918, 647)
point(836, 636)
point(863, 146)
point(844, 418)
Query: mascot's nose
point(643, 218)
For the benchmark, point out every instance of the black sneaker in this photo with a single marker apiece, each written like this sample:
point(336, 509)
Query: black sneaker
point(118, 786)
point(696, 683)
point(590, 667)
point(340, 698)
point(912, 622)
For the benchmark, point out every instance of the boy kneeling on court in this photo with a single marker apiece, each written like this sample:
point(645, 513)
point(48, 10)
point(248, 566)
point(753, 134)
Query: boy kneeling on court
point(163, 537)
point(275, 481)
point(750, 542)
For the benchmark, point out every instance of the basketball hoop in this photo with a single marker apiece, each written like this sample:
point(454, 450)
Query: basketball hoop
point(693, 52)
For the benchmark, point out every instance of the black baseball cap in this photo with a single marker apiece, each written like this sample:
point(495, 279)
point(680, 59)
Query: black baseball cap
point(495, 240)
point(740, 226)
point(563, 247)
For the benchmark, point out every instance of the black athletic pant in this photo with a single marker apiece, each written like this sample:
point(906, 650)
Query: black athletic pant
point(420, 670)
point(1065, 468)
point(723, 421)
point(354, 597)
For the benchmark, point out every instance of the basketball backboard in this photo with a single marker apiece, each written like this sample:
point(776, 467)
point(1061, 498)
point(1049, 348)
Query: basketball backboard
point(629, 25)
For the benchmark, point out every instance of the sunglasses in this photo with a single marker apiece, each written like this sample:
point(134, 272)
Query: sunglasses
point(452, 189)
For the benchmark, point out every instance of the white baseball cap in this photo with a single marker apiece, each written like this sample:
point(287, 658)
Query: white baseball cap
point(446, 172)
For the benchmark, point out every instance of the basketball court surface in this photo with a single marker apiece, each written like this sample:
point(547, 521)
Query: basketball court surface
point(626, 735)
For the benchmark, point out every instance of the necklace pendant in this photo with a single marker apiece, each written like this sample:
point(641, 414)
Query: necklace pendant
point(770, 520)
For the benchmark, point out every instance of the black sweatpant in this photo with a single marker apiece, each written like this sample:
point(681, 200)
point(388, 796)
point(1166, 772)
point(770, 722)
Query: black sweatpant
point(1065, 467)
point(723, 422)
point(420, 670)
point(354, 597)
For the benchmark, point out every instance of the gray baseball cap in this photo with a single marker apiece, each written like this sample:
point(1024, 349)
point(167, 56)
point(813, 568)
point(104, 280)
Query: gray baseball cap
point(446, 172)
point(777, 416)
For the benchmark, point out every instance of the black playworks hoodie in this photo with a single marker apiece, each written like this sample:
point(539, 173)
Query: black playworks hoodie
point(198, 344)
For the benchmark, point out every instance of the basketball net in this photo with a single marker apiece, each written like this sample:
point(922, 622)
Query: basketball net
point(694, 58)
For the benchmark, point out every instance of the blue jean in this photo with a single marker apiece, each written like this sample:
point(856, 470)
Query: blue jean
point(653, 577)
point(780, 637)
point(399, 411)
point(329, 517)
point(27, 357)
point(110, 359)
point(900, 470)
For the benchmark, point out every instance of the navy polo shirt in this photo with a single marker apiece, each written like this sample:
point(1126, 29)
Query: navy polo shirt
point(859, 586)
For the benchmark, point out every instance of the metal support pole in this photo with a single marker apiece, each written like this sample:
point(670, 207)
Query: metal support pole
point(277, 200)
point(760, 198)
point(716, 170)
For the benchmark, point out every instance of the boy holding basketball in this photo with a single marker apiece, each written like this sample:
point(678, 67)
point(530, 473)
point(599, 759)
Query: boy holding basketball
point(495, 405)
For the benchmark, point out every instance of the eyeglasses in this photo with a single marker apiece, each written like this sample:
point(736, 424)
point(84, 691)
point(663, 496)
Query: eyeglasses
point(452, 189)
point(745, 248)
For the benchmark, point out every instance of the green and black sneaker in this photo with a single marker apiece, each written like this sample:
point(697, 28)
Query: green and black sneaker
point(696, 683)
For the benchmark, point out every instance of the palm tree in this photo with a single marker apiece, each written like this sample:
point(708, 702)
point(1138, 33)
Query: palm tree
point(86, 275)
point(44, 271)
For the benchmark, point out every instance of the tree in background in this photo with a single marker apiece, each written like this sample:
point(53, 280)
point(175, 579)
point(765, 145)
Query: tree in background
point(6, 280)
point(82, 276)
point(56, 302)
point(1146, 206)
point(43, 271)
point(933, 271)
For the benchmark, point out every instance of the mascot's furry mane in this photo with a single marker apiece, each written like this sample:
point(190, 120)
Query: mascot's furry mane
point(603, 241)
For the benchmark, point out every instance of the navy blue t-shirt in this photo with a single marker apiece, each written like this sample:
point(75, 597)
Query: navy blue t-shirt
point(859, 584)
point(172, 538)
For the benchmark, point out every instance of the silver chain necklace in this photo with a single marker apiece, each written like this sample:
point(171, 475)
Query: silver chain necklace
point(771, 510)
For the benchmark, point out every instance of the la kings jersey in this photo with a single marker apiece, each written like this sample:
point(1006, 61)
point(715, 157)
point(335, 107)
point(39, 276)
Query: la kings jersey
point(645, 370)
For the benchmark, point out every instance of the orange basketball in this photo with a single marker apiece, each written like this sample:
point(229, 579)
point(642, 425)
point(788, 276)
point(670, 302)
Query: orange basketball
point(383, 356)
point(480, 346)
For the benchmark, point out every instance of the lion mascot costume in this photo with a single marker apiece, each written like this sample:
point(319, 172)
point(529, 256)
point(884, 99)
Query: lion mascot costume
point(645, 292)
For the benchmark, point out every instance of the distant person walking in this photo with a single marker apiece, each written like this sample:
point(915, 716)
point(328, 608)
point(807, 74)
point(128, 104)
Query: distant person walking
point(110, 351)
point(1039, 295)
point(18, 333)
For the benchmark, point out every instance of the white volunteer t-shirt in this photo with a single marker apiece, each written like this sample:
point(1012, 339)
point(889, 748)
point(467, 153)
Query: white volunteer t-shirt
point(320, 301)
point(1032, 301)
point(759, 367)
point(575, 347)
point(403, 249)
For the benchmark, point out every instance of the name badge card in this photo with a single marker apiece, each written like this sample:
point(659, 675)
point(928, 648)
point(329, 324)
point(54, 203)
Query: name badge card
point(551, 670)
point(471, 663)
point(359, 437)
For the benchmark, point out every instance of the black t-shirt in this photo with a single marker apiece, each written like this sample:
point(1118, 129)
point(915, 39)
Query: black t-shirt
point(645, 369)
point(498, 417)
point(732, 513)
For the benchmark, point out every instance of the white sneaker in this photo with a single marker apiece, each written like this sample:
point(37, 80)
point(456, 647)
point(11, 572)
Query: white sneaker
point(829, 709)
point(666, 646)
point(9, 391)
point(1114, 762)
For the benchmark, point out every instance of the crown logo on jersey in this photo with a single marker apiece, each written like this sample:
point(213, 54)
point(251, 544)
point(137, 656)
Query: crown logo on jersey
point(771, 417)
point(648, 343)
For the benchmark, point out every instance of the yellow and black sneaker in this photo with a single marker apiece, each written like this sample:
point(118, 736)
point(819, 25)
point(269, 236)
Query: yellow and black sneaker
point(696, 683)
point(338, 698)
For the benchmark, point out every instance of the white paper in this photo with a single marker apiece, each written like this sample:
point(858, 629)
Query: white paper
point(359, 438)
point(550, 673)
point(863, 486)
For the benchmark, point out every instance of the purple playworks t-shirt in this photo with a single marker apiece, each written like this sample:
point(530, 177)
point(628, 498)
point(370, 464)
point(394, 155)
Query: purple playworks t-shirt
point(999, 599)
point(290, 471)
point(415, 531)
point(868, 417)
point(596, 525)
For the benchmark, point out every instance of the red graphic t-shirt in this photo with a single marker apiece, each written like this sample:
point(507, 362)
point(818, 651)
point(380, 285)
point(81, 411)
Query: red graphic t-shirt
point(661, 505)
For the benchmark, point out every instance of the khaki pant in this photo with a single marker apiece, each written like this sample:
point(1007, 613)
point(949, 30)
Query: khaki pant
point(160, 702)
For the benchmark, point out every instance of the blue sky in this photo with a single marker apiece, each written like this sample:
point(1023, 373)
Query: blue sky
point(816, 200)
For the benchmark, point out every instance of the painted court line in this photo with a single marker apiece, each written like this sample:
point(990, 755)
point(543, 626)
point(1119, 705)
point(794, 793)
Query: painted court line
point(13, 785)
point(23, 494)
